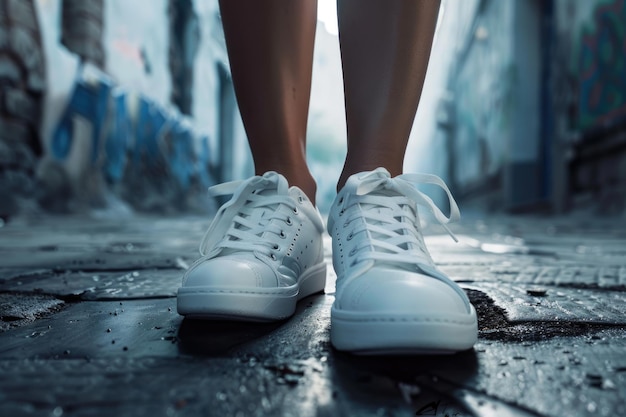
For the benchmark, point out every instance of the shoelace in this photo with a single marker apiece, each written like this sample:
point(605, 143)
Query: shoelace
point(239, 224)
point(391, 224)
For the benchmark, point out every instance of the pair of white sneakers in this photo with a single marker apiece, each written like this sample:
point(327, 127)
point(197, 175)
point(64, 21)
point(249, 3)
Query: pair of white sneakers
point(263, 252)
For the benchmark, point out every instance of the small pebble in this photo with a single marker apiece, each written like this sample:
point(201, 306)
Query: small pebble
point(537, 292)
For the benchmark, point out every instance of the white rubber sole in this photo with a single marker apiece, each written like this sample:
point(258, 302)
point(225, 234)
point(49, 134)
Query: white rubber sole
point(393, 334)
point(252, 304)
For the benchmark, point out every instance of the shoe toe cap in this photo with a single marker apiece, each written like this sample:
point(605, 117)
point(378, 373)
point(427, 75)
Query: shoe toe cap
point(401, 292)
point(226, 272)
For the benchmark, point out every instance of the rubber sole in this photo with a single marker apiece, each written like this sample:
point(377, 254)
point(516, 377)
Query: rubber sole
point(251, 304)
point(394, 334)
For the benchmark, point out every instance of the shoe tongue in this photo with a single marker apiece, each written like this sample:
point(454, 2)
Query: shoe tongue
point(260, 215)
point(381, 192)
point(266, 191)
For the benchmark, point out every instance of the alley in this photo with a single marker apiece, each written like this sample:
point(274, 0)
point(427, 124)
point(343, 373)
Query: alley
point(89, 327)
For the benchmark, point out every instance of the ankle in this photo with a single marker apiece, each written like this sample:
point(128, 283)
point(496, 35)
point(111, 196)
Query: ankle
point(308, 186)
point(368, 156)
point(297, 177)
point(349, 170)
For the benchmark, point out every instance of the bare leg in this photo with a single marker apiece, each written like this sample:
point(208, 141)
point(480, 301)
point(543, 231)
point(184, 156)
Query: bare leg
point(270, 48)
point(385, 47)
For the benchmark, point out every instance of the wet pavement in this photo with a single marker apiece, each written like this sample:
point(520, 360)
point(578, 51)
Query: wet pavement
point(88, 326)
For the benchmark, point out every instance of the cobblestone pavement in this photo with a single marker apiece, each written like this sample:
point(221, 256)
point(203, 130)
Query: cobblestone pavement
point(88, 326)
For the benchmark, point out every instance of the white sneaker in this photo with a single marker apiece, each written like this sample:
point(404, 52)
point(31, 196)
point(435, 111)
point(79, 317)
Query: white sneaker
point(262, 253)
point(390, 297)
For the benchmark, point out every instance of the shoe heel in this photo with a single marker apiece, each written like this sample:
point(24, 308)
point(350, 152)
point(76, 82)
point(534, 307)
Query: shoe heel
point(314, 281)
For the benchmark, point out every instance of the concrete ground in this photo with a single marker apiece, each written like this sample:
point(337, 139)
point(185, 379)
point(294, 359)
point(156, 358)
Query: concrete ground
point(88, 327)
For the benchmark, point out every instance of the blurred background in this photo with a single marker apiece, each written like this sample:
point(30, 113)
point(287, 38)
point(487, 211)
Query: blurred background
point(115, 107)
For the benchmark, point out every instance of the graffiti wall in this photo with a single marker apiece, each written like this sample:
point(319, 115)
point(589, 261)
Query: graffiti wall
point(22, 87)
point(591, 38)
point(535, 89)
point(602, 66)
point(482, 95)
point(496, 84)
point(594, 32)
point(132, 147)
point(112, 138)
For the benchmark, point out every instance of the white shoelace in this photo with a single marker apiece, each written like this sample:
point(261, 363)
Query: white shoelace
point(240, 224)
point(390, 222)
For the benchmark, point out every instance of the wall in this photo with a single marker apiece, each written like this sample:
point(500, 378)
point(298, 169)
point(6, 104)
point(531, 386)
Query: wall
point(113, 140)
point(594, 32)
point(22, 87)
point(535, 116)
point(495, 139)
point(591, 94)
point(427, 150)
point(524, 173)
point(483, 91)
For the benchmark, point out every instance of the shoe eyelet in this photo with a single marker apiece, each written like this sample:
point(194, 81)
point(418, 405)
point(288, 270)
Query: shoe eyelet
point(295, 210)
point(352, 252)
point(273, 257)
point(275, 247)
point(282, 234)
point(300, 199)
point(341, 212)
point(288, 221)
point(340, 201)
point(346, 224)
point(350, 236)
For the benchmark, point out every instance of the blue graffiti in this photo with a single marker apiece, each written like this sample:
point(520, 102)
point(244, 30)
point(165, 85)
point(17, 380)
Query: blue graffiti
point(90, 101)
point(118, 139)
point(203, 162)
point(151, 124)
point(182, 157)
point(603, 67)
point(154, 140)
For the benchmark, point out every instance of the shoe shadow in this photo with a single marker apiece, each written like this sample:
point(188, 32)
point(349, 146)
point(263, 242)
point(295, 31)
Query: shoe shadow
point(216, 338)
point(423, 384)
point(459, 366)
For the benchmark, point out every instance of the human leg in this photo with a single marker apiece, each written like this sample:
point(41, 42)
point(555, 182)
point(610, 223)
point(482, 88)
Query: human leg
point(390, 296)
point(270, 48)
point(385, 46)
point(263, 251)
